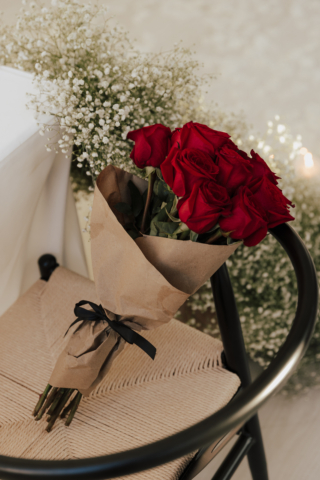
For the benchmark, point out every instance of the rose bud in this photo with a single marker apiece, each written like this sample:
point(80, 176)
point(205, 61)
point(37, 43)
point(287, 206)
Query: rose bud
point(260, 168)
point(196, 135)
point(234, 169)
point(151, 145)
point(183, 168)
point(271, 199)
point(201, 210)
point(247, 220)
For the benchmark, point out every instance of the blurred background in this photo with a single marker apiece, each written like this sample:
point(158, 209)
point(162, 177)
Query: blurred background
point(265, 54)
point(265, 58)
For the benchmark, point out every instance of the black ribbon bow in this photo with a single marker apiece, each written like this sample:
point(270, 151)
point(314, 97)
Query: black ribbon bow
point(98, 314)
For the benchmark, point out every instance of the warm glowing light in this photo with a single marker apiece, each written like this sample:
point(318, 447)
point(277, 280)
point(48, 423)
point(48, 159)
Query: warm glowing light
point(303, 150)
point(308, 160)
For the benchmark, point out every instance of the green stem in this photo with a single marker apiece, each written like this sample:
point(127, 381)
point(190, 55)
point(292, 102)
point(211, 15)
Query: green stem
point(67, 393)
point(58, 409)
point(151, 180)
point(215, 236)
point(68, 407)
point(47, 403)
point(41, 400)
point(56, 401)
point(74, 408)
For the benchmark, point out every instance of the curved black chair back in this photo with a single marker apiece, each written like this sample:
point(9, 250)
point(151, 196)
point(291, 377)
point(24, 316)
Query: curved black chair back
point(237, 412)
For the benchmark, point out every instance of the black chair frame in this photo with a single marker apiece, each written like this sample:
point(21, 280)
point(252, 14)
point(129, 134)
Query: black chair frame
point(239, 415)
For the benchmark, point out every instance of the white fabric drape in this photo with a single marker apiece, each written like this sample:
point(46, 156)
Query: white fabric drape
point(37, 209)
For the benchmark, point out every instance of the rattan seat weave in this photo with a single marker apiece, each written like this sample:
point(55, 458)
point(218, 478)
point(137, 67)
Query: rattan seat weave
point(139, 401)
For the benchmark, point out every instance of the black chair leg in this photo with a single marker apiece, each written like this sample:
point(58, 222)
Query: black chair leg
point(256, 455)
point(234, 457)
point(47, 264)
point(237, 361)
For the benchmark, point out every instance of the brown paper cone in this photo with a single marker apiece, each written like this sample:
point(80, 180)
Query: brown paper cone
point(145, 281)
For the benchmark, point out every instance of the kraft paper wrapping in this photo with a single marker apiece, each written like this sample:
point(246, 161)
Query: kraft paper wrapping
point(145, 281)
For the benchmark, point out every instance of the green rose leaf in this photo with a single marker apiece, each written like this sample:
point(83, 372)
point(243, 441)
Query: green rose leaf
point(159, 174)
point(193, 236)
point(231, 241)
point(161, 190)
point(166, 227)
point(156, 206)
point(172, 218)
point(162, 216)
point(153, 230)
point(182, 227)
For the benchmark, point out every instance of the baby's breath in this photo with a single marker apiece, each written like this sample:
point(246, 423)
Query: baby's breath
point(95, 82)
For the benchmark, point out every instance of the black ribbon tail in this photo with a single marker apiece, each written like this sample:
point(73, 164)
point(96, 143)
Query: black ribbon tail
point(146, 346)
point(133, 337)
point(73, 323)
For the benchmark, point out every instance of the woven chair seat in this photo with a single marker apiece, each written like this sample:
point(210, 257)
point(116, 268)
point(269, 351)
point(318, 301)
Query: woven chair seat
point(139, 401)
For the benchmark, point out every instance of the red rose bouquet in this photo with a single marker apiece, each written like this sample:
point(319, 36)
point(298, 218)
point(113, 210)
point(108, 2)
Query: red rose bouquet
point(209, 186)
point(153, 244)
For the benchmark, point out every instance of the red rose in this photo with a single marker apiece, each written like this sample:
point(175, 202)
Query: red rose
point(151, 145)
point(201, 210)
point(175, 139)
point(271, 199)
point(196, 135)
point(234, 169)
point(247, 220)
point(183, 168)
point(260, 168)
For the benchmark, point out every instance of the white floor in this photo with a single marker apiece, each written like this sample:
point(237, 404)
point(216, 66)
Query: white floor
point(291, 433)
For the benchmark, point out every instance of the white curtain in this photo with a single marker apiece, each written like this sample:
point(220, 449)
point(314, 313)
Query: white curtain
point(37, 209)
